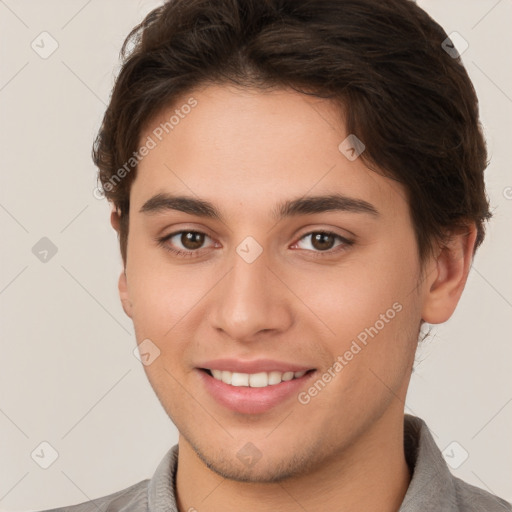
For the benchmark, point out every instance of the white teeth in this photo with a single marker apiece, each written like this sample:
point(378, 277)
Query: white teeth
point(217, 374)
point(274, 378)
point(240, 379)
point(258, 380)
point(255, 380)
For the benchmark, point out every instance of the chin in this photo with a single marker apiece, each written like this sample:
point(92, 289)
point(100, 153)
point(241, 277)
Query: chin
point(262, 470)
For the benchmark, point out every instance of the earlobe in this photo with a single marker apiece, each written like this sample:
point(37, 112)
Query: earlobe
point(448, 278)
point(124, 295)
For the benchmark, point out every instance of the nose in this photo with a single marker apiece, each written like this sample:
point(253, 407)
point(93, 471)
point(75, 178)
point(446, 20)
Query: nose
point(251, 300)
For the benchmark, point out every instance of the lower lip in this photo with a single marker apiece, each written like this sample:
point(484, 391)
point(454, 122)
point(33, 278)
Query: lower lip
point(247, 400)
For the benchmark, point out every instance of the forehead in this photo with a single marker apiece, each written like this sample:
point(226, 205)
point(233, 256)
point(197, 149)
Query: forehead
point(237, 147)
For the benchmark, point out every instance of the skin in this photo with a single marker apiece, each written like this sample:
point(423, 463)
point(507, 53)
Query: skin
point(247, 151)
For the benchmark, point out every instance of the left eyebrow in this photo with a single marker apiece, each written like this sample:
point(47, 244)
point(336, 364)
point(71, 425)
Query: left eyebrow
point(310, 205)
point(307, 205)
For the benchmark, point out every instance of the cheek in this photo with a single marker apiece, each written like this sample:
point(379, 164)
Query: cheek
point(373, 311)
point(161, 300)
point(354, 295)
point(166, 299)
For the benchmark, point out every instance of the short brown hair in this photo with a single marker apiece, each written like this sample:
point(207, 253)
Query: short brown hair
point(409, 101)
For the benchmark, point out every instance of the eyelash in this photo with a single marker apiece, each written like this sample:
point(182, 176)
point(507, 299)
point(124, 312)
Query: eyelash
point(193, 254)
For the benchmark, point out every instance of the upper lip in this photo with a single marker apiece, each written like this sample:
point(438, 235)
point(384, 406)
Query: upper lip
point(253, 366)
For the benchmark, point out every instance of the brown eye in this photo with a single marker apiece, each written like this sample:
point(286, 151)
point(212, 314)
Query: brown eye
point(184, 243)
point(322, 241)
point(192, 240)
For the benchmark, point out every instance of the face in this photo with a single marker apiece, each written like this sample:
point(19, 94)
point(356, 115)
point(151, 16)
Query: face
point(284, 324)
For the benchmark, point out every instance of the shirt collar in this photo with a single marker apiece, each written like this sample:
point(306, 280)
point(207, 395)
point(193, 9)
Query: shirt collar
point(432, 486)
point(161, 497)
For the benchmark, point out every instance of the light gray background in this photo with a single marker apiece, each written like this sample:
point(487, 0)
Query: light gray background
point(67, 372)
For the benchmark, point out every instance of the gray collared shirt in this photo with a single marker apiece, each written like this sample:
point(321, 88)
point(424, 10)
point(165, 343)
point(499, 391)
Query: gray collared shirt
point(432, 488)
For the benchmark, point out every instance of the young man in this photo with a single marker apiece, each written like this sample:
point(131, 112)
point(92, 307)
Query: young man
point(297, 188)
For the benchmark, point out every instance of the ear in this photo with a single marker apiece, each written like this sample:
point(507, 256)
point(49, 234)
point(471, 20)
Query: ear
point(124, 295)
point(115, 219)
point(122, 283)
point(447, 278)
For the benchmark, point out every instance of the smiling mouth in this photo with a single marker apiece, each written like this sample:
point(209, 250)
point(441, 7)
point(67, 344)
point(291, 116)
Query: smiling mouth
point(254, 380)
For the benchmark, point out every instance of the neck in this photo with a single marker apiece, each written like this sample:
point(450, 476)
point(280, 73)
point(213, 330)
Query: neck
point(372, 474)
